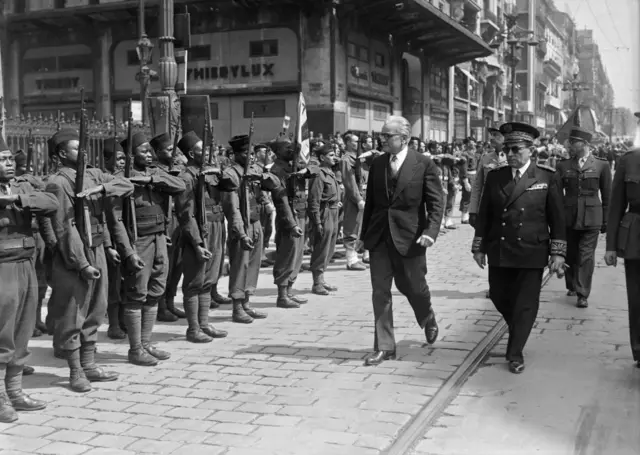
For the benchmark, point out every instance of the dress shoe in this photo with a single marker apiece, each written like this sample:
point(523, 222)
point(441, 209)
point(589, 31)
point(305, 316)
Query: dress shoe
point(377, 357)
point(431, 328)
point(213, 332)
point(100, 375)
point(582, 302)
point(7, 413)
point(157, 353)
point(571, 293)
point(220, 299)
point(338, 255)
point(358, 266)
point(37, 333)
point(516, 366)
point(23, 402)
point(305, 268)
point(27, 370)
point(59, 353)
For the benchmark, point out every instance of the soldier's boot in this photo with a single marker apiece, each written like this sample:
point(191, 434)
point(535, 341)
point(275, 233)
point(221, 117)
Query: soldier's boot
point(40, 327)
point(239, 315)
point(164, 315)
point(171, 306)
point(149, 314)
point(20, 400)
point(255, 314)
point(318, 285)
point(7, 413)
point(203, 317)
point(92, 371)
point(78, 381)
point(137, 354)
point(194, 333)
point(295, 298)
point(283, 299)
point(218, 298)
point(113, 314)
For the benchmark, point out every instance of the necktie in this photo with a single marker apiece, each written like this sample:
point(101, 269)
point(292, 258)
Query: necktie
point(582, 161)
point(394, 166)
point(517, 177)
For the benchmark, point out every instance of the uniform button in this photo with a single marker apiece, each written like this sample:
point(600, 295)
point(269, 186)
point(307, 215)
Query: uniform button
point(522, 210)
point(504, 224)
point(505, 210)
point(519, 239)
point(501, 238)
point(520, 225)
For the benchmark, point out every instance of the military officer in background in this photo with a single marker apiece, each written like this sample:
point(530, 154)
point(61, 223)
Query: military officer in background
point(353, 201)
point(623, 237)
point(468, 166)
point(19, 202)
point(520, 224)
point(581, 178)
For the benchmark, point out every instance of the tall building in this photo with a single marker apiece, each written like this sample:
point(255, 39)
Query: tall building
point(356, 61)
point(599, 92)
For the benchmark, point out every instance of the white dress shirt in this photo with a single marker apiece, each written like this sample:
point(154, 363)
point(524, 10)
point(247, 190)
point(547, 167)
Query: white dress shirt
point(400, 157)
point(522, 170)
point(583, 160)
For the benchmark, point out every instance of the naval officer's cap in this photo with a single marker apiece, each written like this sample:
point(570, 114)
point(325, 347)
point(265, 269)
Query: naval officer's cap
point(514, 132)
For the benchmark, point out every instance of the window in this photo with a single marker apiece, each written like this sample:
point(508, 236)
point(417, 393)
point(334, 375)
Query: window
point(380, 112)
point(363, 54)
point(133, 60)
point(200, 53)
point(74, 62)
point(265, 48)
point(380, 60)
point(40, 65)
point(359, 52)
point(439, 90)
point(357, 109)
point(213, 109)
point(352, 50)
point(264, 108)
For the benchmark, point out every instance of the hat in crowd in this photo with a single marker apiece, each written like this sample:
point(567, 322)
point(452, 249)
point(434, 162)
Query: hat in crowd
point(3, 144)
point(137, 140)
point(239, 143)
point(320, 148)
point(20, 158)
point(259, 146)
point(161, 141)
point(61, 137)
point(519, 132)
point(111, 147)
point(580, 134)
point(281, 145)
point(493, 130)
point(188, 142)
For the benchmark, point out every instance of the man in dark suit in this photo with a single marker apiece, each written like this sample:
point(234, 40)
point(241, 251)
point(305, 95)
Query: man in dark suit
point(582, 177)
point(401, 219)
point(520, 224)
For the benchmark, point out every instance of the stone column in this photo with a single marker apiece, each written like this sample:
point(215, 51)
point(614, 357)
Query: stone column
point(103, 76)
point(14, 79)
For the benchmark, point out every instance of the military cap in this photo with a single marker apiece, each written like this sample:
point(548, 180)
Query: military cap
point(519, 132)
point(111, 147)
point(20, 158)
point(239, 143)
point(320, 148)
point(3, 144)
point(580, 134)
point(137, 139)
point(281, 145)
point(493, 130)
point(188, 142)
point(61, 137)
point(161, 141)
point(259, 146)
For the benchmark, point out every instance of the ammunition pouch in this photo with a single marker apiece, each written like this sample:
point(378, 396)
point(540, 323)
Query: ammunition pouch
point(17, 243)
point(214, 212)
point(150, 220)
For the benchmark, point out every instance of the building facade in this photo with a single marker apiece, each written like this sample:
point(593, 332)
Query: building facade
point(356, 62)
point(599, 92)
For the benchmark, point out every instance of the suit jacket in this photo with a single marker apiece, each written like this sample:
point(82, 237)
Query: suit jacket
point(414, 209)
point(583, 207)
point(519, 225)
point(623, 225)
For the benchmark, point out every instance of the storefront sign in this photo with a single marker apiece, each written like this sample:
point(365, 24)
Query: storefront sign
point(369, 64)
point(231, 72)
point(62, 83)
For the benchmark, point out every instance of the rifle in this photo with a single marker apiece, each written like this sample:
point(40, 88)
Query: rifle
point(174, 154)
point(129, 209)
point(81, 209)
point(201, 211)
point(29, 151)
point(246, 183)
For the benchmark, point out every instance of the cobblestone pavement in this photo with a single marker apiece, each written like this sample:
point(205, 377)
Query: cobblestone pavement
point(580, 394)
point(291, 384)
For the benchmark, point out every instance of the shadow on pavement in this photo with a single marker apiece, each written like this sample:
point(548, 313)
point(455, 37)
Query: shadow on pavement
point(337, 354)
point(457, 295)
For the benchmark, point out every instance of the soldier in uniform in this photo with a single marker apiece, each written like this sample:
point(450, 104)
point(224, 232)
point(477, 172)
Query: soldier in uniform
point(202, 252)
point(290, 224)
point(468, 165)
point(324, 203)
point(353, 201)
point(19, 203)
point(245, 232)
point(623, 237)
point(38, 225)
point(581, 178)
point(519, 224)
point(267, 209)
point(167, 312)
point(144, 288)
point(79, 272)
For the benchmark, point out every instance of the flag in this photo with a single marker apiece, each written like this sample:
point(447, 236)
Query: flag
point(302, 130)
point(585, 118)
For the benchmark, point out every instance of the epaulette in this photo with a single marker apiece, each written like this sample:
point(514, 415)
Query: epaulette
point(544, 166)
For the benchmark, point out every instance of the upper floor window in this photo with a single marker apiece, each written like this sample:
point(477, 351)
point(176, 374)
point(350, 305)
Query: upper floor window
point(264, 48)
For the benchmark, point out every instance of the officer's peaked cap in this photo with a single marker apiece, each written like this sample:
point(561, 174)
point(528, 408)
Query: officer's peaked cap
point(519, 132)
point(580, 134)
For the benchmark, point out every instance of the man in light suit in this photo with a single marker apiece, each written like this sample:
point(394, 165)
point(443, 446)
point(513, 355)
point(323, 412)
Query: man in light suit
point(401, 219)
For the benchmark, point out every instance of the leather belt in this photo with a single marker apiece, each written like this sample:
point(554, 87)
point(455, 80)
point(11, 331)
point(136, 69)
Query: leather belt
point(17, 243)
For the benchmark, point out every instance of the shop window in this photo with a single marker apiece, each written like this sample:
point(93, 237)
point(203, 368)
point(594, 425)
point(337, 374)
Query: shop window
point(133, 60)
point(380, 112)
point(380, 60)
point(213, 109)
point(357, 109)
point(358, 52)
point(363, 54)
point(265, 108)
point(39, 65)
point(74, 62)
point(265, 48)
point(352, 50)
point(200, 53)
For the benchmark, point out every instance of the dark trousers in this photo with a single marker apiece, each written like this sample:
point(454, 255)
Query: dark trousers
point(632, 276)
point(244, 266)
point(325, 245)
point(409, 274)
point(267, 226)
point(289, 254)
point(201, 277)
point(516, 295)
point(147, 286)
point(581, 250)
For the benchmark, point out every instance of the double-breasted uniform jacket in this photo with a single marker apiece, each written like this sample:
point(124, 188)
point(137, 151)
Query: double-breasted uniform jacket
point(520, 225)
point(583, 207)
point(623, 226)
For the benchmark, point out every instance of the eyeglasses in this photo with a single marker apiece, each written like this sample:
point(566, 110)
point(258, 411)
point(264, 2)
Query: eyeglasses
point(387, 136)
point(513, 148)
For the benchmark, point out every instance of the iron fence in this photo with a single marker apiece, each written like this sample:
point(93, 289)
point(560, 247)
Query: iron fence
point(19, 131)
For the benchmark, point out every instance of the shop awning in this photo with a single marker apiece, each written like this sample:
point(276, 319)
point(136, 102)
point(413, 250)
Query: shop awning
point(424, 26)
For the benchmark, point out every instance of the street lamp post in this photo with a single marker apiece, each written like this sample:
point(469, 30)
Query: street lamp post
point(516, 38)
point(144, 49)
point(574, 85)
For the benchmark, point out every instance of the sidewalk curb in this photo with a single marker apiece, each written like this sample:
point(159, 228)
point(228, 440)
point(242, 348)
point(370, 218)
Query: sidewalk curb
point(416, 428)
